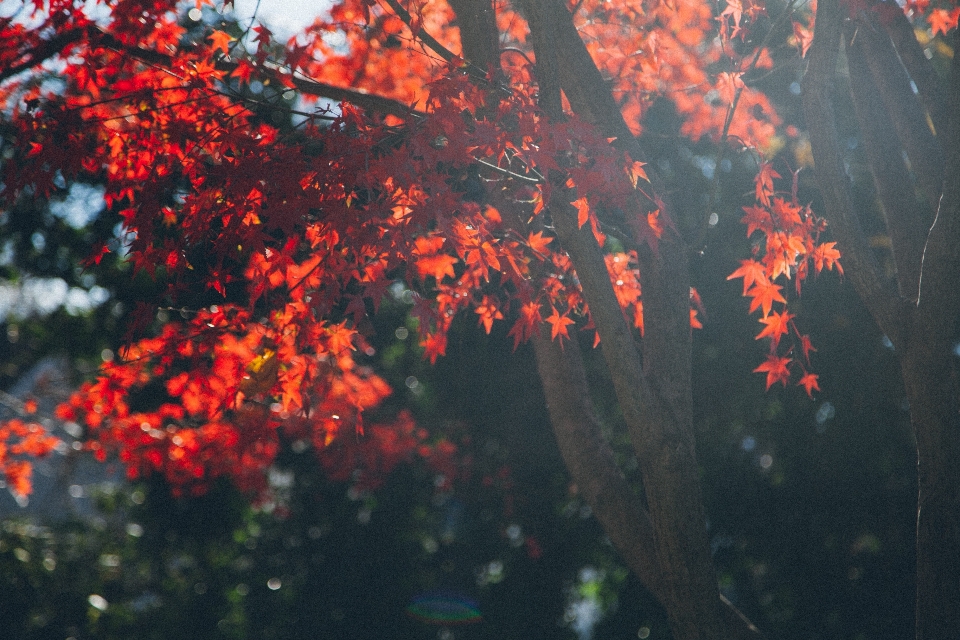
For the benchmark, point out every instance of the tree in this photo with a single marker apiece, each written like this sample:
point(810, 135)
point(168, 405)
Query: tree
point(488, 158)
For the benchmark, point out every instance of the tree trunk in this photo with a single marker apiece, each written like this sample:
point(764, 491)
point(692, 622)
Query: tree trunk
point(920, 320)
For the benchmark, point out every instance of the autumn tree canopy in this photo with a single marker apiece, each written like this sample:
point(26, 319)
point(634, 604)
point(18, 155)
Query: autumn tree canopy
point(486, 159)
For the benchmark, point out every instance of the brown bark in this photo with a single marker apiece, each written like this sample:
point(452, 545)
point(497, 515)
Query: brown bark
point(599, 481)
point(930, 376)
point(907, 218)
point(880, 297)
point(923, 331)
point(590, 461)
point(903, 106)
point(930, 88)
point(656, 405)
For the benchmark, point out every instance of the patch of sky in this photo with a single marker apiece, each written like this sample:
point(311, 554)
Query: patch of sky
point(43, 296)
point(282, 16)
point(83, 203)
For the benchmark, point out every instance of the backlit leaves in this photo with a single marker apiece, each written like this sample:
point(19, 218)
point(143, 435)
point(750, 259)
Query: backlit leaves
point(790, 248)
point(290, 231)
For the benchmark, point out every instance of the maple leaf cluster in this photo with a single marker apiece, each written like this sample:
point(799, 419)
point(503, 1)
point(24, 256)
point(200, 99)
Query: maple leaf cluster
point(789, 248)
point(280, 240)
point(22, 439)
point(296, 236)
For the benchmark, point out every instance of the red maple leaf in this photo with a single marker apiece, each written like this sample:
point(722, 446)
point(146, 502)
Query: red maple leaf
point(220, 41)
point(943, 21)
point(806, 347)
point(243, 70)
point(777, 325)
point(752, 273)
point(558, 325)
point(809, 383)
point(776, 369)
point(764, 294)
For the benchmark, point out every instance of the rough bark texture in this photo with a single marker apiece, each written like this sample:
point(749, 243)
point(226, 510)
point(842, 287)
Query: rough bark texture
point(922, 328)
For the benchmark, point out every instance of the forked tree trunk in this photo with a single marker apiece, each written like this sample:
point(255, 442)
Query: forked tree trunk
point(665, 543)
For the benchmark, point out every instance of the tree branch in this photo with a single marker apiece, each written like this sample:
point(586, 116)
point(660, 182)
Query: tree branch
point(907, 219)
point(479, 37)
point(543, 34)
point(357, 97)
point(583, 84)
point(590, 460)
point(479, 75)
point(47, 49)
point(907, 114)
point(921, 71)
point(659, 424)
point(818, 86)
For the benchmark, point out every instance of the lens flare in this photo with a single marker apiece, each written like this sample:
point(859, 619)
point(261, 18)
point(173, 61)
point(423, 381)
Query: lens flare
point(444, 609)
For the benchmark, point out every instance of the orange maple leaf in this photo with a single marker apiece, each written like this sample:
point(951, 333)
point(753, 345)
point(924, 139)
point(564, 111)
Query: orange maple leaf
point(809, 383)
point(778, 324)
point(776, 369)
point(806, 346)
point(752, 273)
point(431, 263)
point(942, 21)
point(764, 295)
point(694, 322)
point(220, 41)
point(437, 266)
point(764, 184)
point(757, 218)
point(636, 172)
point(804, 38)
point(826, 255)
point(434, 345)
point(527, 324)
point(17, 476)
point(583, 211)
point(538, 243)
point(558, 325)
point(488, 312)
